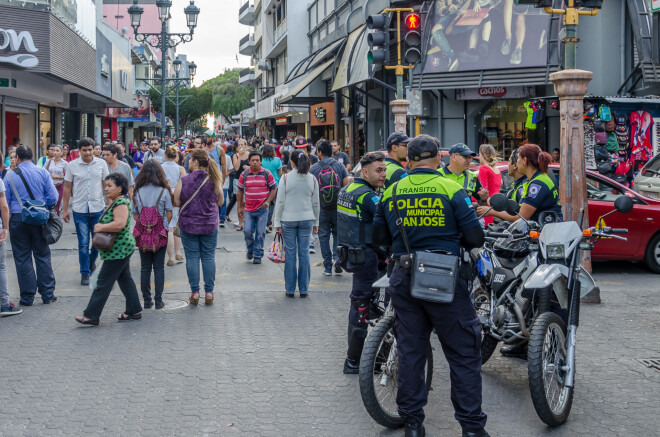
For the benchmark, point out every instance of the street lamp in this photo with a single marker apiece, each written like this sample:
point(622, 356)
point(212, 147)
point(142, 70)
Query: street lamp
point(192, 69)
point(164, 40)
point(177, 66)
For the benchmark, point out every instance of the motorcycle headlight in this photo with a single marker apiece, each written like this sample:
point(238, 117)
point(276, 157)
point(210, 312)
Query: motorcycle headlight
point(555, 251)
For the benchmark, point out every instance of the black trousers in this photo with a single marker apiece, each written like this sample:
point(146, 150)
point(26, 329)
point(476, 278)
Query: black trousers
point(28, 243)
point(459, 332)
point(113, 271)
point(362, 292)
point(153, 261)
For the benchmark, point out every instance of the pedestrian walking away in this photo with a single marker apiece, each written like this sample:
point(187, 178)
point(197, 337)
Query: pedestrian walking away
point(25, 182)
point(356, 208)
point(296, 217)
point(418, 199)
point(174, 172)
point(7, 307)
point(332, 177)
point(199, 194)
point(153, 212)
point(56, 166)
point(84, 177)
point(115, 219)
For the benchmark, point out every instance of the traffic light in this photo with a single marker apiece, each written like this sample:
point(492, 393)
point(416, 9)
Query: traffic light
point(379, 39)
point(595, 4)
point(536, 3)
point(413, 38)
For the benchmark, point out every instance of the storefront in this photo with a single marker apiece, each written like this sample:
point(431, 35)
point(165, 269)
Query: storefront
point(322, 121)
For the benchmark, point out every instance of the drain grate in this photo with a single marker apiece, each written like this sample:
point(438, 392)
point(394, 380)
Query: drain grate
point(652, 363)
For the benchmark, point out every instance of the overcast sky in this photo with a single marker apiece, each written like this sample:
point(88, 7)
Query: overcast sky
point(215, 44)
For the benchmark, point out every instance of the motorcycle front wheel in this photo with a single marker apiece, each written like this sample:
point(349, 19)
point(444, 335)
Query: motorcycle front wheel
point(546, 356)
point(481, 302)
point(379, 368)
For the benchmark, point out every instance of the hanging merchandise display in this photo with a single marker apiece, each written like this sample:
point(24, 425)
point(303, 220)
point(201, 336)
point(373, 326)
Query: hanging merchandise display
point(535, 114)
point(589, 145)
point(641, 125)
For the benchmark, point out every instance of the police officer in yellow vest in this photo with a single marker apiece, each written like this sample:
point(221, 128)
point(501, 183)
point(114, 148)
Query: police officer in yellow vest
point(356, 207)
point(437, 215)
point(397, 152)
point(519, 179)
point(458, 170)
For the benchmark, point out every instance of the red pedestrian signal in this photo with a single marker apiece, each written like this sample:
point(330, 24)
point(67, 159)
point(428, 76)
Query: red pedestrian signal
point(412, 22)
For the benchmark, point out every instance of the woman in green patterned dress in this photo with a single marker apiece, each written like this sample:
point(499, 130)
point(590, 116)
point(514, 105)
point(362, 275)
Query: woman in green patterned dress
point(116, 261)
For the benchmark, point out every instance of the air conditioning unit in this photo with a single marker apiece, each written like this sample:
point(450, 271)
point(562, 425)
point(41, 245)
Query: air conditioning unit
point(264, 65)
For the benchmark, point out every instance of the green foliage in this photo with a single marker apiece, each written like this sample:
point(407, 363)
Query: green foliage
point(229, 97)
point(198, 126)
point(194, 103)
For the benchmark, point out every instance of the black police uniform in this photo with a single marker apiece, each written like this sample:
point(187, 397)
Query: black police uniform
point(434, 210)
point(356, 206)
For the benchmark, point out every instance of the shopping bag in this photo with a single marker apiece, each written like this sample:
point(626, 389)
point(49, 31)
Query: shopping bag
point(276, 250)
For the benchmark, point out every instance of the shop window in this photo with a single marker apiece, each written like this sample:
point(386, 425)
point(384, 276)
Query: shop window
point(504, 125)
point(45, 127)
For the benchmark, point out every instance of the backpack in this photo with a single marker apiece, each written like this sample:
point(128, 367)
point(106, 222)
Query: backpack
point(149, 232)
point(600, 153)
point(329, 187)
point(604, 113)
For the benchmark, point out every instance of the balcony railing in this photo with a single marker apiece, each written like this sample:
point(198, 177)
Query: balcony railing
point(243, 8)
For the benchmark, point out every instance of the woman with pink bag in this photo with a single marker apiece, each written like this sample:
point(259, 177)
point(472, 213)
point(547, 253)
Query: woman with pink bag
point(296, 216)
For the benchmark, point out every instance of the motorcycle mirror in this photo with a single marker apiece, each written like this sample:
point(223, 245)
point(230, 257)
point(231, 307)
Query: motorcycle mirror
point(623, 204)
point(512, 207)
point(499, 202)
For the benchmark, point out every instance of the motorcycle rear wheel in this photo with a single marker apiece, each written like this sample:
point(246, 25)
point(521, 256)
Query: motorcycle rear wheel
point(545, 356)
point(376, 370)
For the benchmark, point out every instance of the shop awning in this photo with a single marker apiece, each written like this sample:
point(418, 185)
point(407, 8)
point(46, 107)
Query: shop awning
point(655, 100)
point(353, 67)
point(312, 61)
point(290, 97)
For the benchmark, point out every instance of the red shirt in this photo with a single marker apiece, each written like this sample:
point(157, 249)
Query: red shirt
point(255, 190)
point(492, 182)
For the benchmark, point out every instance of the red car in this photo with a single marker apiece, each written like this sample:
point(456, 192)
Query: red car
point(643, 222)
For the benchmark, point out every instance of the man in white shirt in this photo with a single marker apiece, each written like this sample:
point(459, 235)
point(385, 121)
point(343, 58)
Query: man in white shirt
point(86, 174)
point(155, 152)
point(111, 156)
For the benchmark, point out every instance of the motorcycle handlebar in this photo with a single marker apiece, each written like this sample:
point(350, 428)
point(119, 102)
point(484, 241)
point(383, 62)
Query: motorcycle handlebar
point(619, 231)
point(496, 234)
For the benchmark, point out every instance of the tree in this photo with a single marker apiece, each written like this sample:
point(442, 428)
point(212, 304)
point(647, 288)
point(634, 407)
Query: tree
point(229, 97)
point(198, 126)
point(195, 107)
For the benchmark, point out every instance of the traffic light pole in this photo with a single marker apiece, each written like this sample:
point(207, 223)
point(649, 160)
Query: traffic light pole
point(571, 85)
point(399, 68)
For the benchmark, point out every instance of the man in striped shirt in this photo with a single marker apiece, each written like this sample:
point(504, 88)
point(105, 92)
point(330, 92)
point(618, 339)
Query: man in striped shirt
point(256, 190)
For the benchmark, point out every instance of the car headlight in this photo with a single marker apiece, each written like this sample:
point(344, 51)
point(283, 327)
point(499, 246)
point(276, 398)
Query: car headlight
point(555, 251)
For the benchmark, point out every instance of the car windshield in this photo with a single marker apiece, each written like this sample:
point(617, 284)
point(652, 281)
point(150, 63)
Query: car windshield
point(600, 190)
point(652, 168)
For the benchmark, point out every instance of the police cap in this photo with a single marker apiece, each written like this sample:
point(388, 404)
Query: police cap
point(462, 149)
point(396, 138)
point(422, 147)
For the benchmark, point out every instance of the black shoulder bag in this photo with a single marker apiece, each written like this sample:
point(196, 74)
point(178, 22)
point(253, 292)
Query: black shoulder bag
point(433, 274)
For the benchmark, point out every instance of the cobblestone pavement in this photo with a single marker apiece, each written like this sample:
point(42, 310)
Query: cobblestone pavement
point(258, 364)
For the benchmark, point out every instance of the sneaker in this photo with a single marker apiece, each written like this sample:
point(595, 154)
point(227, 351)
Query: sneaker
point(236, 224)
point(10, 310)
point(516, 58)
point(327, 271)
point(170, 262)
point(338, 269)
point(506, 46)
point(222, 224)
point(256, 261)
point(249, 255)
point(52, 299)
point(269, 229)
point(160, 304)
point(311, 249)
point(84, 280)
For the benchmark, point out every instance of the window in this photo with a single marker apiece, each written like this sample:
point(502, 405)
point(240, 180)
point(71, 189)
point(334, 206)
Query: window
point(312, 17)
point(598, 189)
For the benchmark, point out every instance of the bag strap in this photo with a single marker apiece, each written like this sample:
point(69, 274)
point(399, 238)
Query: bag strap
point(48, 164)
point(13, 188)
point(27, 187)
point(399, 221)
point(194, 194)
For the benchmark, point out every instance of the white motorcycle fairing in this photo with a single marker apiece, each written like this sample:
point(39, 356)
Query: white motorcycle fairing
point(557, 276)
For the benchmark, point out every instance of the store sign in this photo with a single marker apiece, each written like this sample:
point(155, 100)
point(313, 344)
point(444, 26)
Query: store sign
point(291, 133)
point(495, 92)
point(655, 6)
point(7, 83)
point(319, 114)
point(280, 121)
point(11, 43)
point(138, 112)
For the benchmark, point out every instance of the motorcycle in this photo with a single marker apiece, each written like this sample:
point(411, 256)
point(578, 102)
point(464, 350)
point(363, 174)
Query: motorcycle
point(543, 293)
point(379, 364)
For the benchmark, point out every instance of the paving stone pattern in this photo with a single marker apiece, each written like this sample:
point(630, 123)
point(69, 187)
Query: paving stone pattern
point(258, 364)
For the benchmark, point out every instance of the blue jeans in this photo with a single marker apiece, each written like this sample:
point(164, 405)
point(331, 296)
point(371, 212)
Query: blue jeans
point(327, 227)
point(31, 250)
point(296, 236)
point(200, 247)
point(85, 230)
point(254, 229)
point(223, 208)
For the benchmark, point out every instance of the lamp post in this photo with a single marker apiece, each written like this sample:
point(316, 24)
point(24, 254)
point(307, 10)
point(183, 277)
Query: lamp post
point(163, 40)
point(192, 69)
